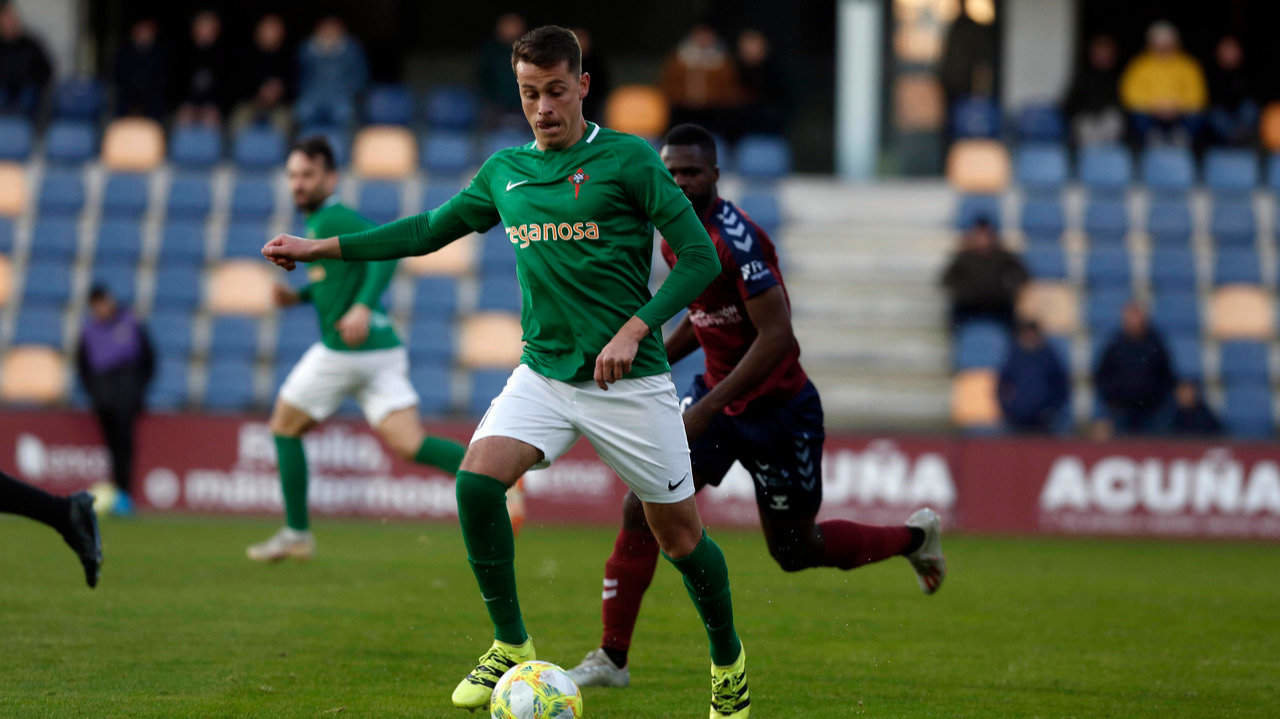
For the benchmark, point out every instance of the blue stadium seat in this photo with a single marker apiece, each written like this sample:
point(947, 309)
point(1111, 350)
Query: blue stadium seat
point(245, 239)
point(339, 141)
point(499, 292)
point(764, 209)
point(6, 235)
point(1177, 311)
point(763, 157)
point(39, 325)
point(1043, 219)
point(447, 153)
point(294, 335)
point(496, 255)
point(78, 98)
point(233, 337)
point(258, 147)
point(502, 139)
point(436, 297)
point(1103, 311)
point(434, 385)
point(182, 243)
point(980, 344)
point(1273, 174)
point(70, 142)
point(229, 385)
point(1233, 223)
point(1108, 267)
point(437, 194)
point(61, 193)
point(1106, 169)
point(169, 389)
point(125, 195)
point(118, 241)
point(1169, 222)
point(1168, 170)
point(1237, 266)
point(118, 276)
point(170, 329)
point(1243, 361)
point(1041, 123)
point(1186, 352)
point(1230, 172)
point(252, 198)
point(178, 287)
point(485, 385)
point(451, 107)
point(388, 105)
point(190, 198)
point(195, 147)
point(1041, 168)
point(1106, 221)
point(1248, 412)
point(1046, 262)
point(971, 208)
point(975, 117)
point(432, 341)
point(379, 200)
point(47, 283)
point(55, 239)
point(15, 138)
point(1173, 268)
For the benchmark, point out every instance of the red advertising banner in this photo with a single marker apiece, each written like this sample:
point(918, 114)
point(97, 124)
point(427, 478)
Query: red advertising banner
point(223, 464)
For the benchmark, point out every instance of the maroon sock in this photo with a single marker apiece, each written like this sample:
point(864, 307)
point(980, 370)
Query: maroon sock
point(847, 544)
point(627, 574)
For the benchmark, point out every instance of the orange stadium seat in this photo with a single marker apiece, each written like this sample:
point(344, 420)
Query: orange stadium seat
point(1269, 127)
point(918, 103)
point(1054, 305)
point(973, 399)
point(6, 280)
point(637, 109)
point(490, 339)
point(13, 189)
point(385, 152)
point(133, 144)
point(1242, 312)
point(241, 287)
point(978, 166)
point(33, 375)
point(455, 259)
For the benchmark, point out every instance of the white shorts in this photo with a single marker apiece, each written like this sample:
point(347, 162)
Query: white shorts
point(635, 427)
point(378, 379)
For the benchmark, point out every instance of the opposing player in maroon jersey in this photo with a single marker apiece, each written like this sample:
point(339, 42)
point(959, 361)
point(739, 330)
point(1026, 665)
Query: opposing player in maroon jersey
point(753, 404)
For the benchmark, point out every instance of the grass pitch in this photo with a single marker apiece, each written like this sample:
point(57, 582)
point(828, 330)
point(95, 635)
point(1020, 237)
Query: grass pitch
point(387, 619)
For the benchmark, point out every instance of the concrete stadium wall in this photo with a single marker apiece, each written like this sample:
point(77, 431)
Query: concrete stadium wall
point(1039, 40)
point(56, 23)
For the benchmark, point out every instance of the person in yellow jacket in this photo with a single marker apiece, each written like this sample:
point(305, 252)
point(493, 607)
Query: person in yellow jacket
point(1164, 88)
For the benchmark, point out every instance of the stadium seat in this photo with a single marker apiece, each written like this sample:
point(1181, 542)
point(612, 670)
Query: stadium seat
point(1173, 268)
point(78, 98)
point(245, 239)
point(168, 390)
point(258, 147)
point(182, 243)
point(1168, 170)
point(70, 142)
point(485, 386)
point(295, 333)
point(502, 139)
point(39, 325)
point(1233, 223)
point(435, 297)
point(133, 144)
point(980, 344)
point(195, 147)
point(1230, 172)
point(1273, 174)
point(975, 117)
point(233, 337)
point(379, 200)
point(339, 141)
point(978, 167)
point(446, 152)
point(61, 193)
point(1041, 123)
point(1043, 219)
point(55, 239)
point(434, 385)
point(1248, 411)
point(971, 208)
point(1055, 305)
point(499, 293)
point(388, 105)
point(119, 277)
point(455, 259)
point(1041, 169)
point(241, 287)
point(1177, 311)
point(1104, 309)
point(451, 107)
point(763, 157)
point(384, 152)
point(1106, 169)
point(1244, 361)
point(229, 385)
point(437, 194)
point(1046, 262)
point(1108, 267)
point(170, 329)
point(15, 138)
point(118, 241)
point(125, 196)
point(974, 404)
point(432, 340)
point(1186, 352)
point(490, 339)
point(33, 375)
point(1169, 222)
point(252, 198)
point(13, 189)
point(764, 209)
point(190, 198)
point(6, 281)
point(47, 282)
point(638, 109)
point(496, 254)
point(6, 235)
point(1237, 266)
point(1241, 312)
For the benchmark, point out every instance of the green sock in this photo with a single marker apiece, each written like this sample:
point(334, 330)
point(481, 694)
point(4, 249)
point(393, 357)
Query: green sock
point(293, 481)
point(706, 577)
point(491, 548)
point(443, 453)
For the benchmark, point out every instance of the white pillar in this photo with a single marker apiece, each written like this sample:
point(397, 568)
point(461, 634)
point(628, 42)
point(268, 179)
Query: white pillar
point(57, 24)
point(858, 80)
point(1038, 42)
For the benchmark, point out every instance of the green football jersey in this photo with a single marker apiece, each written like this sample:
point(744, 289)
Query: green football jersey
point(336, 285)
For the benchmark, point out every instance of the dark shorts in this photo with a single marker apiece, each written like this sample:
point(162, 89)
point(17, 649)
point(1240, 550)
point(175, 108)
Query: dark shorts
point(779, 444)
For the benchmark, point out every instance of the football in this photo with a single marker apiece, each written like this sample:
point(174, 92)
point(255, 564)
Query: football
point(536, 690)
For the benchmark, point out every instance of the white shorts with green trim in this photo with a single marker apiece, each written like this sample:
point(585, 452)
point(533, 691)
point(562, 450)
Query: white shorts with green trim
point(378, 379)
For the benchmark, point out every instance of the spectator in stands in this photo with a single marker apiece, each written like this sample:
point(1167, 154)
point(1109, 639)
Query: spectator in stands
point(333, 72)
point(983, 278)
point(1192, 415)
point(267, 75)
point(204, 74)
point(1164, 89)
point(1135, 376)
point(701, 82)
point(601, 82)
point(1093, 102)
point(142, 73)
point(1233, 112)
point(115, 363)
point(763, 86)
point(967, 66)
point(497, 86)
point(24, 65)
point(1033, 388)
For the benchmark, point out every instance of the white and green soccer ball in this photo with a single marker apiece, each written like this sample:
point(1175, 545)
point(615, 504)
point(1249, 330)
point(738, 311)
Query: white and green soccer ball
point(536, 690)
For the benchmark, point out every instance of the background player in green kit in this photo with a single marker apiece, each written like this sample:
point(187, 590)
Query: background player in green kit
point(579, 205)
point(359, 354)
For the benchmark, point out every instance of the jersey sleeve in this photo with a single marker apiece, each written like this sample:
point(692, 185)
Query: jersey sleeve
point(649, 184)
point(746, 249)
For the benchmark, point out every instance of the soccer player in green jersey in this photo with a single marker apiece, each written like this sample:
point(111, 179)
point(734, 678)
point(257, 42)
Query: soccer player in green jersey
point(579, 205)
point(359, 354)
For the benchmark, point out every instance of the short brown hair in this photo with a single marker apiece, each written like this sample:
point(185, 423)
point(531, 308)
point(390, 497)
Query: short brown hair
point(548, 46)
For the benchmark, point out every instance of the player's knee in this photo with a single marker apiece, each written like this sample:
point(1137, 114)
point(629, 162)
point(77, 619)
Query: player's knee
point(633, 513)
point(791, 557)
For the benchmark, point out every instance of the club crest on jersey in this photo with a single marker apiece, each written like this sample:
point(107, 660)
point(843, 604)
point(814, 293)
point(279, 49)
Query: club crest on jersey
point(577, 178)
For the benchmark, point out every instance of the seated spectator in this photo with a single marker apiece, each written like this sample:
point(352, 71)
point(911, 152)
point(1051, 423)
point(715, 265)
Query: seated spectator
point(1134, 378)
point(24, 65)
point(142, 73)
point(1191, 415)
point(1164, 89)
point(333, 72)
point(598, 69)
point(1093, 102)
point(1233, 112)
point(763, 85)
point(1033, 389)
point(204, 75)
point(701, 82)
point(983, 278)
point(267, 75)
point(497, 85)
point(968, 64)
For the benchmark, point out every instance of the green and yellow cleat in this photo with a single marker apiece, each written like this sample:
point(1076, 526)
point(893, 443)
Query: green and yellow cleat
point(474, 691)
point(730, 698)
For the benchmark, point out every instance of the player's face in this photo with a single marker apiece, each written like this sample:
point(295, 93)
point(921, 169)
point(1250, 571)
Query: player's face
point(552, 101)
point(693, 172)
point(310, 182)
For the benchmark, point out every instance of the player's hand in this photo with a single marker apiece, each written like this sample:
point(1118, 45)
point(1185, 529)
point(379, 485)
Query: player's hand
point(354, 325)
point(286, 251)
point(697, 419)
point(614, 361)
point(284, 295)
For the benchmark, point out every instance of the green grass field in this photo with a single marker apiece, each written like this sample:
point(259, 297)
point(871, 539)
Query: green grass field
point(387, 619)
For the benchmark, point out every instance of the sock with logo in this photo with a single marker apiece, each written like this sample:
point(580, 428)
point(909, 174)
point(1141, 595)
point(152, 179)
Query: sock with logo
point(627, 574)
point(706, 578)
point(292, 461)
point(439, 452)
point(491, 549)
point(18, 497)
point(848, 544)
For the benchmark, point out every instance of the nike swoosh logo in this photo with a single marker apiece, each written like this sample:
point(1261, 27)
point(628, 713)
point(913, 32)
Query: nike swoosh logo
point(511, 184)
point(672, 487)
